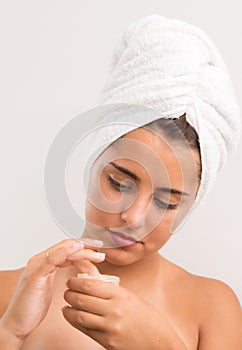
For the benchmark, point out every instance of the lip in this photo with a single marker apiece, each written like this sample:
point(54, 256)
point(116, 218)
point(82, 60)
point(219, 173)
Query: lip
point(123, 240)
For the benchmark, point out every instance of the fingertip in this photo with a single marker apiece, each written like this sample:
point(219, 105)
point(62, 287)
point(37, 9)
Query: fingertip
point(99, 256)
point(75, 247)
point(68, 282)
point(78, 244)
point(64, 308)
point(92, 242)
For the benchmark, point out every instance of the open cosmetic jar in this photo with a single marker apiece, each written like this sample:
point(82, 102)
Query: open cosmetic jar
point(106, 278)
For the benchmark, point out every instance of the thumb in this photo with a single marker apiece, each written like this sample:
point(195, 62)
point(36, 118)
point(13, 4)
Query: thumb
point(86, 266)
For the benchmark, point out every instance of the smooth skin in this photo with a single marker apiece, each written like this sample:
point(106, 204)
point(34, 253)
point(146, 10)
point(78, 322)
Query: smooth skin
point(158, 305)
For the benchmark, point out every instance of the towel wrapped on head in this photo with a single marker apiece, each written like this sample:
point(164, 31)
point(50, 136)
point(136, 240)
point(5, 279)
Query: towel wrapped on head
point(172, 67)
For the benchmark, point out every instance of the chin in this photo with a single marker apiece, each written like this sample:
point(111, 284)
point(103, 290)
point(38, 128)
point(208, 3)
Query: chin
point(121, 256)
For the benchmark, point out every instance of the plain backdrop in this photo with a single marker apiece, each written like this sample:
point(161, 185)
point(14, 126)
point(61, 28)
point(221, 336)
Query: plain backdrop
point(54, 61)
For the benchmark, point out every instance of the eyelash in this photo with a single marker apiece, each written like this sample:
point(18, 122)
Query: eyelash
point(165, 205)
point(119, 187)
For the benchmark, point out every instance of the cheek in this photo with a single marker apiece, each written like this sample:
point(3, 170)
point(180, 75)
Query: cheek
point(159, 220)
point(157, 238)
point(98, 217)
point(161, 233)
point(93, 215)
point(163, 229)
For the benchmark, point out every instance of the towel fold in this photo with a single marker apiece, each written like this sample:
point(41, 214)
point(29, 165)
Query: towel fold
point(172, 67)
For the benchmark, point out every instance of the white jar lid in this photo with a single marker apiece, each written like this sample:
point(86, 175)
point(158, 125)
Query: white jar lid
point(106, 278)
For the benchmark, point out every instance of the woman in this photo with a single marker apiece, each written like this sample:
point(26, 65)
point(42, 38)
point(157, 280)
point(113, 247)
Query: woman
point(141, 189)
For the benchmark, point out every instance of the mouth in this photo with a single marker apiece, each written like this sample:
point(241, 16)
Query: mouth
point(123, 240)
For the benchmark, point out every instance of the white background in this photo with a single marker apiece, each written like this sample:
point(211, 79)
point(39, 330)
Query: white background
point(53, 63)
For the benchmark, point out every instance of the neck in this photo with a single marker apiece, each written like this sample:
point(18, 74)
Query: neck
point(139, 271)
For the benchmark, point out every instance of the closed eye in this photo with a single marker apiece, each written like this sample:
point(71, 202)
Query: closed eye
point(121, 187)
point(164, 204)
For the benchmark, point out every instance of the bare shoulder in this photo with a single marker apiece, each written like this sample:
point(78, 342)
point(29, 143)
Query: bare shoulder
point(221, 317)
point(218, 312)
point(211, 292)
point(204, 290)
point(8, 283)
point(209, 289)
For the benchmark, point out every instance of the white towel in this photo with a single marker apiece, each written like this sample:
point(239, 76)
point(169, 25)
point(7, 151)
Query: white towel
point(172, 67)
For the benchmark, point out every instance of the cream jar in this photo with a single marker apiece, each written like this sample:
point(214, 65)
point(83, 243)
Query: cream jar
point(106, 278)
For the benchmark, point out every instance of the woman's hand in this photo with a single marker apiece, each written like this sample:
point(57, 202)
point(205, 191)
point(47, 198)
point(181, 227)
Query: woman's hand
point(33, 294)
point(116, 318)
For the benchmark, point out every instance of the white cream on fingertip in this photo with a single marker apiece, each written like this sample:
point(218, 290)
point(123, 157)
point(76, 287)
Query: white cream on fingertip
point(99, 255)
point(91, 242)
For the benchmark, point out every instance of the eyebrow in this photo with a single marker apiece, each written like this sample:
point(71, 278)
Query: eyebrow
point(135, 177)
point(125, 171)
point(172, 190)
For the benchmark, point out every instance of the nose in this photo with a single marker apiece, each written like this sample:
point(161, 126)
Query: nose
point(136, 213)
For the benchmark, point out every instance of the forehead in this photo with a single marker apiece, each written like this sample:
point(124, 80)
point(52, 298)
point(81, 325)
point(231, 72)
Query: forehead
point(147, 153)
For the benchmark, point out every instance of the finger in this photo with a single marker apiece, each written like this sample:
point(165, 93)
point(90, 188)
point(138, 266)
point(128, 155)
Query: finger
point(62, 244)
point(87, 254)
point(56, 258)
point(94, 243)
point(67, 242)
point(63, 256)
point(80, 319)
point(95, 288)
point(85, 266)
point(85, 302)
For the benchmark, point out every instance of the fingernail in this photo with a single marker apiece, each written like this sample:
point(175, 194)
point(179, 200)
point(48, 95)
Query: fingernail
point(77, 245)
point(99, 255)
point(92, 242)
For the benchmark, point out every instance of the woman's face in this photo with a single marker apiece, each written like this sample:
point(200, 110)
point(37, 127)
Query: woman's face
point(140, 190)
